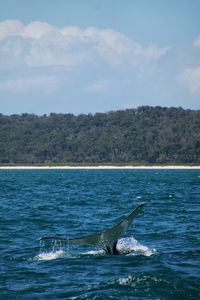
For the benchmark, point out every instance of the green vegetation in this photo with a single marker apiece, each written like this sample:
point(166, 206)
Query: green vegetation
point(146, 135)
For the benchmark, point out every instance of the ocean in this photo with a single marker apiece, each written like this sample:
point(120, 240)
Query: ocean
point(162, 244)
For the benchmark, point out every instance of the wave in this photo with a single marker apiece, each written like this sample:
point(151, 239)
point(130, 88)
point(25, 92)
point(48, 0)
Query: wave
point(134, 280)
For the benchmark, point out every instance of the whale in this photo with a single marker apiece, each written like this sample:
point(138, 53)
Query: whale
point(106, 239)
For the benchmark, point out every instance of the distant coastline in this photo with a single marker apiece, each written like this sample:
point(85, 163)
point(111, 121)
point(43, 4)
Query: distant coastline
point(145, 136)
point(106, 167)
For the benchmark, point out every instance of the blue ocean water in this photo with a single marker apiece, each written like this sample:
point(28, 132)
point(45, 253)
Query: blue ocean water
point(164, 239)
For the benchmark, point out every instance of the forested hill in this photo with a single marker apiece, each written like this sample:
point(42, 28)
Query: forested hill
point(143, 135)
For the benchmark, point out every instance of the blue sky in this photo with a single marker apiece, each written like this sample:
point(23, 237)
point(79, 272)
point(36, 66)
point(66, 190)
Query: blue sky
point(87, 56)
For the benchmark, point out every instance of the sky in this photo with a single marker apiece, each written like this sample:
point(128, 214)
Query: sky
point(88, 56)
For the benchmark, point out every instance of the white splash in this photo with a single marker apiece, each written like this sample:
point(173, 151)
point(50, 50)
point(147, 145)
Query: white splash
point(125, 280)
point(134, 280)
point(127, 246)
point(133, 247)
point(95, 252)
point(50, 255)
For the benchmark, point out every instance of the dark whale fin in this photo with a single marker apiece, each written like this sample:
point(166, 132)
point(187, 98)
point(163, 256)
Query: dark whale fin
point(107, 239)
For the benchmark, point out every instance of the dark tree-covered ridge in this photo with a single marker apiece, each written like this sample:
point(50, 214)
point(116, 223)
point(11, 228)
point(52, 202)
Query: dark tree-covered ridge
point(153, 135)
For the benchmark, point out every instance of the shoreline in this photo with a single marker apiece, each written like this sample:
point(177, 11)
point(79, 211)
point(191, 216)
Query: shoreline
point(100, 167)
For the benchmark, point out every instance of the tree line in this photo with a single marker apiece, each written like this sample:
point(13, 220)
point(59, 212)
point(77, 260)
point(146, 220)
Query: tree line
point(149, 135)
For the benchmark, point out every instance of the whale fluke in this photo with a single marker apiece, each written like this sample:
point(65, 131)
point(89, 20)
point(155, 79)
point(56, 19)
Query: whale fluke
point(107, 239)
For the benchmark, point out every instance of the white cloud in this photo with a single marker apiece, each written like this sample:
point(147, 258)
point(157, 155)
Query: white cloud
point(117, 49)
point(153, 52)
point(46, 84)
point(39, 57)
point(47, 45)
point(98, 86)
point(197, 42)
point(51, 53)
point(36, 30)
point(191, 77)
point(10, 28)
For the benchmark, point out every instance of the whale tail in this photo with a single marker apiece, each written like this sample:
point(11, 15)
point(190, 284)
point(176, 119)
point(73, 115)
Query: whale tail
point(107, 239)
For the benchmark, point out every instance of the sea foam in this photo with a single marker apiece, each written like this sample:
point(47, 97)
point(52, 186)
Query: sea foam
point(50, 255)
point(131, 246)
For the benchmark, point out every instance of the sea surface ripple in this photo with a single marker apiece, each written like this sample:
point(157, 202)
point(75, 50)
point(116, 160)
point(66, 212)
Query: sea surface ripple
point(163, 244)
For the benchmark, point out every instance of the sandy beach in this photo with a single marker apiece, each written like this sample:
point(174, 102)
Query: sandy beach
point(172, 167)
